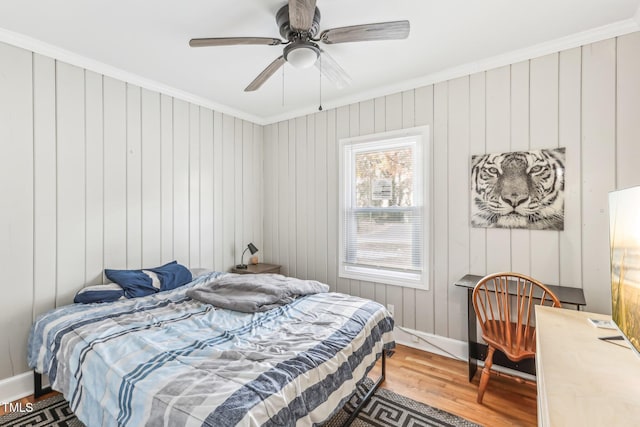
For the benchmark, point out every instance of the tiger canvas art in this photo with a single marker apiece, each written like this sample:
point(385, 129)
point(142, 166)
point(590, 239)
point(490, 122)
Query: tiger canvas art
point(521, 189)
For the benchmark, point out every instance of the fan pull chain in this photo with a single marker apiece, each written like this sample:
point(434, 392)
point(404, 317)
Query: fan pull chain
point(320, 75)
point(283, 85)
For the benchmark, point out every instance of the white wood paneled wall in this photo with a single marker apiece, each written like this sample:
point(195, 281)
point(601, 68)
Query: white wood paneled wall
point(96, 173)
point(585, 99)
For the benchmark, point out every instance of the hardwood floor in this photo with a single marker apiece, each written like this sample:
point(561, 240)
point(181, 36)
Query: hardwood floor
point(442, 382)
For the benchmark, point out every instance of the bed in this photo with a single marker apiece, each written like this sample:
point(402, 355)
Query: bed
point(167, 359)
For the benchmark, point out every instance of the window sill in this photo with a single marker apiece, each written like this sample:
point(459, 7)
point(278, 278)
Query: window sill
point(388, 278)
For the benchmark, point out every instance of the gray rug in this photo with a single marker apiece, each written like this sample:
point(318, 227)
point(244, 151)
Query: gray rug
point(385, 409)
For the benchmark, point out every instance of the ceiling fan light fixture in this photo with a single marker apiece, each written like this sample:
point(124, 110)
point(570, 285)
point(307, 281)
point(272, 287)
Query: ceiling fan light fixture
point(299, 24)
point(301, 54)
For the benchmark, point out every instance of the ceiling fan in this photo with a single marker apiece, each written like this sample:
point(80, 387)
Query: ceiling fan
point(299, 23)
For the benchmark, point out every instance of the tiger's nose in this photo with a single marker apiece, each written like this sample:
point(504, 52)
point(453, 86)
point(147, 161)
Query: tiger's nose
point(514, 199)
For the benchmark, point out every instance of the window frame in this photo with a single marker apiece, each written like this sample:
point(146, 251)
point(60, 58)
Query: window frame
point(346, 186)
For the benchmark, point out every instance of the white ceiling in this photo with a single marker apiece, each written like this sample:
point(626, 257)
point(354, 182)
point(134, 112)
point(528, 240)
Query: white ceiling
point(148, 39)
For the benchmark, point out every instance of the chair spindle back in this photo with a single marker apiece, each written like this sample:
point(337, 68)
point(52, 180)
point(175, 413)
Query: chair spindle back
point(504, 304)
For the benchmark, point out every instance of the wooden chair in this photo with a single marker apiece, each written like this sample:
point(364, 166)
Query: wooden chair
point(504, 305)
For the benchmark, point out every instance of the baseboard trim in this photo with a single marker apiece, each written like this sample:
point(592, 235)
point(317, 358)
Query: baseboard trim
point(437, 344)
point(16, 387)
point(448, 347)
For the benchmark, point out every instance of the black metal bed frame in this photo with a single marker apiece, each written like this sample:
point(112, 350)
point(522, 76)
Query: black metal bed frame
point(39, 391)
point(37, 386)
point(367, 397)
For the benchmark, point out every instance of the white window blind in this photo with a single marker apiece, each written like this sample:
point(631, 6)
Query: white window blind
point(383, 210)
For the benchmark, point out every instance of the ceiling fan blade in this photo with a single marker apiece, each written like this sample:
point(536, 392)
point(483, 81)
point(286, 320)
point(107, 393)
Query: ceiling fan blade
point(332, 70)
point(301, 14)
point(265, 74)
point(393, 30)
point(230, 41)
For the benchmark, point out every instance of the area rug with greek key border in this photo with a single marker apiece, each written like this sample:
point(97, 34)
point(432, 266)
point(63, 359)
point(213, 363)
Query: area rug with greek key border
point(389, 409)
point(385, 409)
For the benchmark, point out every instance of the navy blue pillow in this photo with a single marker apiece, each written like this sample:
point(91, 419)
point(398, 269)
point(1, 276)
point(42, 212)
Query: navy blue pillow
point(172, 275)
point(137, 283)
point(99, 293)
point(134, 282)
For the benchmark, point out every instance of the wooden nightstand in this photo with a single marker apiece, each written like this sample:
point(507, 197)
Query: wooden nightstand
point(257, 269)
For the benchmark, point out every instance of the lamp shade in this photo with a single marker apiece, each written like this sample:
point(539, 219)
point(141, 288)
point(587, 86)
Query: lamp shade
point(252, 248)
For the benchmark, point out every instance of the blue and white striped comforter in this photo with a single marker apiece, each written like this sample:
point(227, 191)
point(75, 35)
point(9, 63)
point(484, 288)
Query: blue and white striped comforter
point(168, 360)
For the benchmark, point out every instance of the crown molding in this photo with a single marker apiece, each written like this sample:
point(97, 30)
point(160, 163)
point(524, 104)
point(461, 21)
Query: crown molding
point(575, 40)
point(572, 41)
point(63, 55)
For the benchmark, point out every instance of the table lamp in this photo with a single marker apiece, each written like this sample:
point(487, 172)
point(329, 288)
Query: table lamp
point(250, 247)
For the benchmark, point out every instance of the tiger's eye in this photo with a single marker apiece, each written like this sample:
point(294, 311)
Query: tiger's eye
point(536, 169)
point(493, 171)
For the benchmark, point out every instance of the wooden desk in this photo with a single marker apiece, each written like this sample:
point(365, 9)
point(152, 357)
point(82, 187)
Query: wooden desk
point(478, 351)
point(583, 381)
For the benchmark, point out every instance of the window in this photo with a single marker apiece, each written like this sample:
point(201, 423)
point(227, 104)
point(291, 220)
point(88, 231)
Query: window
point(384, 208)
